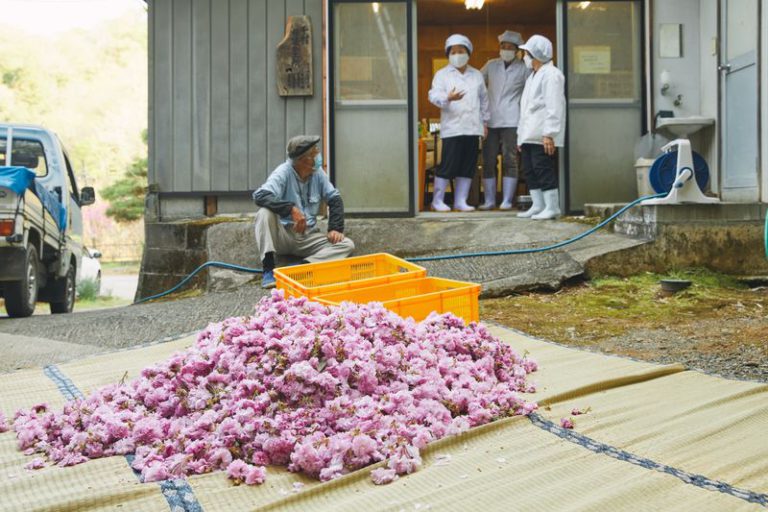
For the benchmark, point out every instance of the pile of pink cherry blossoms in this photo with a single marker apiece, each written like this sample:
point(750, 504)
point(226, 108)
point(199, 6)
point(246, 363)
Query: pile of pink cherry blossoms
point(324, 391)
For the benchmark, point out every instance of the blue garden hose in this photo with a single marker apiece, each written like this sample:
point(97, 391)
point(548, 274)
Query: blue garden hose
point(765, 235)
point(184, 281)
point(557, 245)
point(537, 249)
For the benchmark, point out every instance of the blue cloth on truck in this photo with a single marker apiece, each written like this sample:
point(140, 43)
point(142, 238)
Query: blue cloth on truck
point(19, 179)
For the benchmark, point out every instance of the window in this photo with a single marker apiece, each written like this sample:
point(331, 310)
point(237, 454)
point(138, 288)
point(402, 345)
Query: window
point(72, 183)
point(26, 153)
point(604, 58)
point(371, 44)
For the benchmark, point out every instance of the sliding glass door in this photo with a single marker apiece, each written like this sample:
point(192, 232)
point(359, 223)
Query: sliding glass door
point(371, 135)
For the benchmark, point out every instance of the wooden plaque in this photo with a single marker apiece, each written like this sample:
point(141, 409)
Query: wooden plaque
point(294, 58)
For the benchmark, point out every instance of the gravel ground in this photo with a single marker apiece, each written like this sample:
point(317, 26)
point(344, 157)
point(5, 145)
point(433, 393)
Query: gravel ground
point(717, 329)
point(742, 362)
point(133, 325)
point(701, 346)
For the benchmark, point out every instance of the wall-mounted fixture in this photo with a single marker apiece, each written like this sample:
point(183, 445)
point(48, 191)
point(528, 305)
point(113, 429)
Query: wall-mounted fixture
point(474, 4)
point(670, 40)
point(375, 7)
point(664, 82)
point(665, 87)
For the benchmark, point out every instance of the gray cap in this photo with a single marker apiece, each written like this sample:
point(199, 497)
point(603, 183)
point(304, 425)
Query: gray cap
point(510, 36)
point(300, 144)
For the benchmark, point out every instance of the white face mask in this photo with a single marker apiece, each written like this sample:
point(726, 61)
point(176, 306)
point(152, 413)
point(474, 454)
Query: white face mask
point(507, 55)
point(528, 61)
point(458, 60)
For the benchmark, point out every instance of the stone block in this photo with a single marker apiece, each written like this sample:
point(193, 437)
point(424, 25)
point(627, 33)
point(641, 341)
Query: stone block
point(165, 235)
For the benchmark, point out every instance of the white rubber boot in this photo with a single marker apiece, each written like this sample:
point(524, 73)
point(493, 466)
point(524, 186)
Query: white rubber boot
point(537, 198)
point(552, 209)
point(460, 195)
point(489, 188)
point(438, 195)
point(508, 187)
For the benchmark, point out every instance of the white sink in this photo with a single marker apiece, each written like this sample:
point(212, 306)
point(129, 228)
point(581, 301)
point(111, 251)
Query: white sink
point(683, 126)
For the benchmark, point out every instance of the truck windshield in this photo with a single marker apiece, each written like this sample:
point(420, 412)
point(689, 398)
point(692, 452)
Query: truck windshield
point(26, 153)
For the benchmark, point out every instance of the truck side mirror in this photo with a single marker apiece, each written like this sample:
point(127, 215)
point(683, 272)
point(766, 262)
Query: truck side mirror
point(87, 196)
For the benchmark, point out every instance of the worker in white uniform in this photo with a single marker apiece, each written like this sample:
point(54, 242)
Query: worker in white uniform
point(542, 127)
point(505, 78)
point(459, 91)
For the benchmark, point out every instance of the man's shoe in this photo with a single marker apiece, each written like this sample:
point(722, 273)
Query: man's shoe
point(268, 279)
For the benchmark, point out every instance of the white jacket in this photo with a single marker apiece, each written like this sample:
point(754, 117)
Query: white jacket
point(468, 115)
point(505, 88)
point(542, 107)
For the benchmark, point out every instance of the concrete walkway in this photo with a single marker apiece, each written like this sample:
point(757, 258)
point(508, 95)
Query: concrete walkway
point(28, 352)
point(449, 233)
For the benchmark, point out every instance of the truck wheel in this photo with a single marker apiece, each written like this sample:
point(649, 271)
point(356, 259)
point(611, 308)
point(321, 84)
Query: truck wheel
point(64, 290)
point(21, 296)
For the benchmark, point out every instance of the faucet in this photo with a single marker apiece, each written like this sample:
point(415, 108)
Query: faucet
point(678, 100)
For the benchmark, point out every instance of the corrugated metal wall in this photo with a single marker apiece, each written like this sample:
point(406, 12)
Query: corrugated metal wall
point(216, 120)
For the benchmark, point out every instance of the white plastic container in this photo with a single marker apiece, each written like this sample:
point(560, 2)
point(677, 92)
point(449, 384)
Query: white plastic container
point(642, 168)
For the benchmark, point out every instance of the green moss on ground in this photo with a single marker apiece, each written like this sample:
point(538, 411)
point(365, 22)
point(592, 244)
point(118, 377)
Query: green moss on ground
point(606, 307)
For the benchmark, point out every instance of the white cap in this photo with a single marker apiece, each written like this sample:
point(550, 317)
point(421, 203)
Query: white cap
point(460, 40)
point(539, 47)
point(511, 37)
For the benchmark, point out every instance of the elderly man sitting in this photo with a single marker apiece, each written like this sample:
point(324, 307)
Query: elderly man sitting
point(286, 222)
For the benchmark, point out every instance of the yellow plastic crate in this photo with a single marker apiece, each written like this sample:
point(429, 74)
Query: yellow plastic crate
point(315, 279)
point(417, 298)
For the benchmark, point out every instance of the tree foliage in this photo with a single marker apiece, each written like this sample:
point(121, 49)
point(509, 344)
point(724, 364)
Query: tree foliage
point(126, 195)
point(87, 85)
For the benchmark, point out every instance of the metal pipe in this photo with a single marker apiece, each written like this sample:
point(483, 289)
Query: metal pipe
point(9, 147)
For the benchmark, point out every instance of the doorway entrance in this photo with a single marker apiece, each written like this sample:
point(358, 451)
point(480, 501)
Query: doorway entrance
point(385, 134)
point(740, 106)
point(603, 63)
point(438, 19)
point(371, 105)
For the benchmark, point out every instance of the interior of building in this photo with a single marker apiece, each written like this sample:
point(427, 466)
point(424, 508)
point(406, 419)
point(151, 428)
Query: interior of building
point(437, 19)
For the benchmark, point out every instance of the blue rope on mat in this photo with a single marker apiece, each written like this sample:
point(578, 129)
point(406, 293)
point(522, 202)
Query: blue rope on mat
point(177, 492)
point(616, 453)
point(66, 386)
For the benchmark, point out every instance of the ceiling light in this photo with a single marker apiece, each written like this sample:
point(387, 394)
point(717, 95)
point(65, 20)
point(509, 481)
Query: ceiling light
point(474, 4)
point(375, 6)
point(584, 5)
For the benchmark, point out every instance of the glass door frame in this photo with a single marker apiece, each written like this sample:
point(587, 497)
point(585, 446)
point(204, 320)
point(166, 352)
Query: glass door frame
point(331, 80)
point(562, 46)
point(722, 122)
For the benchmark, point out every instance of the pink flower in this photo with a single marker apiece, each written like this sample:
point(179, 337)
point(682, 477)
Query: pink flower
point(255, 475)
point(566, 423)
point(383, 476)
point(36, 463)
point(155, 472)
point(3, 423)
point(236, 470)
point(324, 391)
point(363, 445)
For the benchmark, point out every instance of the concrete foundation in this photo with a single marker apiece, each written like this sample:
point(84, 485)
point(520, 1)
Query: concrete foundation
point(724, 237)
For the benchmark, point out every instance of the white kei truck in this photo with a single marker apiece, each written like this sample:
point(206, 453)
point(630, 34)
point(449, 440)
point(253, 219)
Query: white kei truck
point(41, 225)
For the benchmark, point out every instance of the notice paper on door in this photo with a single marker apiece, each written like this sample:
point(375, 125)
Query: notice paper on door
point(592, 60)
